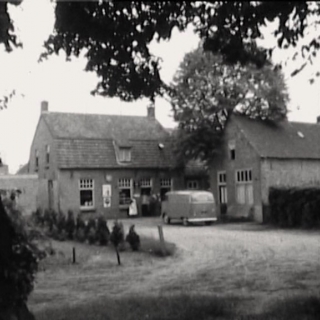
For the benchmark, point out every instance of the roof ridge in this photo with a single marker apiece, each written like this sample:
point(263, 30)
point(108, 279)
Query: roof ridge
point(93, 114)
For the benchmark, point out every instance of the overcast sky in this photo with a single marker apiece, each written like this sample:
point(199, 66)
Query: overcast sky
point(67, 87)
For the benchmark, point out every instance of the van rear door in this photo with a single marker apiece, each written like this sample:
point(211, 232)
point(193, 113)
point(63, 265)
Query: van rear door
point(202, 206)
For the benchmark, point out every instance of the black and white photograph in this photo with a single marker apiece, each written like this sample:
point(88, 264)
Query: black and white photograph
point(159, 160)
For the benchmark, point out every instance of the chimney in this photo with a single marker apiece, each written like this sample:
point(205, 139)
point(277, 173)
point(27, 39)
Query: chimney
point(44, 106)
point(151, 111)
point(318, 119)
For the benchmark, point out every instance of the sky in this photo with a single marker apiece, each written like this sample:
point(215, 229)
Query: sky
point(66, 86)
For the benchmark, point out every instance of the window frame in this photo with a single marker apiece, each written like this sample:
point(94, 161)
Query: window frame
point(244, 177)
point(124, 154)
point(165, 185)
point(125, 186)
point(90, 187)
point(222, 184)
point(193, 182)
point(143, 183)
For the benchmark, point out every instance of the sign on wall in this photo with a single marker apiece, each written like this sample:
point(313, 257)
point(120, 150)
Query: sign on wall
point(106, 195)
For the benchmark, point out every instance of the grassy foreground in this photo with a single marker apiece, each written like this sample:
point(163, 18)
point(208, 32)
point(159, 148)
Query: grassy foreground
point(182, 307)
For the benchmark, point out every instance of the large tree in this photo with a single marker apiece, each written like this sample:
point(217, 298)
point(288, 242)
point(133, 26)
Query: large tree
point(206, 91)
point(116, 35)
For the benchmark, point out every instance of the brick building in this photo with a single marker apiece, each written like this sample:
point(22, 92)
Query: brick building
point(256, 155)
point(97, 163)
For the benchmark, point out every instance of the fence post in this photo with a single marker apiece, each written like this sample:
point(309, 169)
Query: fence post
point(161, 237)
point(73, 255)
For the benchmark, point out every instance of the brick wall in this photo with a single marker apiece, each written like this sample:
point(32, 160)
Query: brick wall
point(245, 158)
point(42, 138)
point(69, 194)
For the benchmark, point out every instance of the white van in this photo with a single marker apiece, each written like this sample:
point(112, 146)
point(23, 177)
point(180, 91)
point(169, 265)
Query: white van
point(189, 206)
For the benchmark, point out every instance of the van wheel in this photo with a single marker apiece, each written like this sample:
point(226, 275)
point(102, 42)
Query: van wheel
point(166, 219)
point(185, 222)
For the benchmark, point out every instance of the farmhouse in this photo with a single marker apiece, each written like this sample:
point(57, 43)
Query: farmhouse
point(98, 163)
point(256, 155)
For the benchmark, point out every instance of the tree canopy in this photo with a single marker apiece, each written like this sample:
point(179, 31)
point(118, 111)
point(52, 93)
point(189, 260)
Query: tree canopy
point(206, 91)
point(116, 35)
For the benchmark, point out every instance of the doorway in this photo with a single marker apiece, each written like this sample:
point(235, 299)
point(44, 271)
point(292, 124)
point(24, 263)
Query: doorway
point(50, 194)
point(145, 201)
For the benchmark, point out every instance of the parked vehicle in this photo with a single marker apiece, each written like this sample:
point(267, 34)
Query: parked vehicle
point(189, 206)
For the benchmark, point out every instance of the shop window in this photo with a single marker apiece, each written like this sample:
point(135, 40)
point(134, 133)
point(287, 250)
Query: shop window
point(86, 187)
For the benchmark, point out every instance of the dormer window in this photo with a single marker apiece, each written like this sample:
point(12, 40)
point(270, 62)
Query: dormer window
point(124, 154)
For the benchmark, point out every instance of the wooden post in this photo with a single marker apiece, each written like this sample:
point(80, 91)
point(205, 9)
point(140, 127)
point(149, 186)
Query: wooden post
point(118, 256)
point(73, 255)
point(161, 237)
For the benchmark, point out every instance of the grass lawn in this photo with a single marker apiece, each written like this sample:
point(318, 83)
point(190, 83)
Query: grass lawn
point(233, 271)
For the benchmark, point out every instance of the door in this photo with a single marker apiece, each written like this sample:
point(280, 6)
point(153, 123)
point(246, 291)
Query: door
point(50, 194)
point(145, 201)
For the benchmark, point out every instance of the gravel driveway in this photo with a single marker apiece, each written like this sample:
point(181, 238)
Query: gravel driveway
point(254, 263)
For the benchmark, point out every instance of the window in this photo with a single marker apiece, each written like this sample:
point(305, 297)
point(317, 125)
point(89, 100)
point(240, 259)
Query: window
point(145, 183)
point(232, 154)
point(165, 183)
point(86, 187)
point(124, 154)
point(37, 159)
point(244, 186)
point(192, 184)
point(165, 186)
point(47, 154)
point(222, 187)
point(222, 177)
point(232, 149)
point(202, 197)
point(125, 191)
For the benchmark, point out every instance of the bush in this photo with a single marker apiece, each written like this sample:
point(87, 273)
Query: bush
point(92, 235)
point(70, 225)
point(61, 222)
point(133, 239)
point(91, 223)
point(79, 223)
point(37, 217)
point(295, 207)
point(80, 234)
point(19, 259)
point(117, 234)
point(153, 246)
point(103, 232)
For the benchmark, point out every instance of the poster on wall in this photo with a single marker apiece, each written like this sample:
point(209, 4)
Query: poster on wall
point(106, 195)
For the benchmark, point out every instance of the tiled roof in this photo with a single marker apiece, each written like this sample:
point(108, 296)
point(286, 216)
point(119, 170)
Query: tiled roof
point(286, 140)
point(91, 140)
point(98, 126)
point(94, 153)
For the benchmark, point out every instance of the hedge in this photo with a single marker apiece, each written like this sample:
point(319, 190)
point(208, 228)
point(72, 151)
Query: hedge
point(294, 207)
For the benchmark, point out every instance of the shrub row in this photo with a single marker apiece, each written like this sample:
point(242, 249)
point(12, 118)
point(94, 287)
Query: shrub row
point(94, 231)
point(294, 207)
